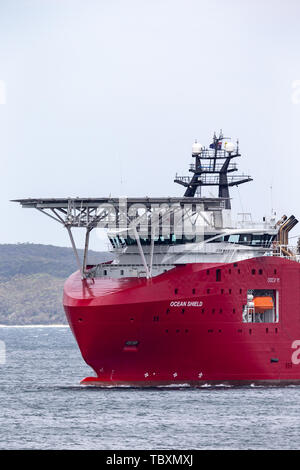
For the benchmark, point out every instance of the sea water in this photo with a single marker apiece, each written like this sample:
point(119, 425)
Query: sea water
point(44, 407)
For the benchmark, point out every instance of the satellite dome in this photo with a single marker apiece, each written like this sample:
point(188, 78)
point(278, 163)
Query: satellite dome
point(197, 148)
point(229, 147)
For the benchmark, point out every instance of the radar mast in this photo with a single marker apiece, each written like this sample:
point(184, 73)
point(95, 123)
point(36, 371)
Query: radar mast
point(211, 168)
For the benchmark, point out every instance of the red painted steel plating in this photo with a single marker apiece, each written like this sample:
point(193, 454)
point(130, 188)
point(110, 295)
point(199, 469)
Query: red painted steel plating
point(186, 327)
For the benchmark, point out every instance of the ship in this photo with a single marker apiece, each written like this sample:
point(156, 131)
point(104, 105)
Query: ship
point(186, 295)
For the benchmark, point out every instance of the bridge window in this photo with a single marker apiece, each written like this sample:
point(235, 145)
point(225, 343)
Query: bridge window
point(245, 238)
point(249, 239)
point(233, 238)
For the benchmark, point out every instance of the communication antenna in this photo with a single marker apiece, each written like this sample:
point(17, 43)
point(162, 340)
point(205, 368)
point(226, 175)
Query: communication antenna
point(271, 196)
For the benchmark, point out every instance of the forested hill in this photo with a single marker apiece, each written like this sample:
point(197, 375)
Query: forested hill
point(31, 282)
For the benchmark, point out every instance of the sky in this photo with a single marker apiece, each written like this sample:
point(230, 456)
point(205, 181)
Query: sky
point(106, 97)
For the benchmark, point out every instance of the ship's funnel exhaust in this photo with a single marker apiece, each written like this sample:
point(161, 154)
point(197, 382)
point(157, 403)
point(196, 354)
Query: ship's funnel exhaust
point(286, 225)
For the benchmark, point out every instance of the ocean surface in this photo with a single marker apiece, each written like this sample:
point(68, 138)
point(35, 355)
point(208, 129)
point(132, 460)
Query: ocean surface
point(44, 407)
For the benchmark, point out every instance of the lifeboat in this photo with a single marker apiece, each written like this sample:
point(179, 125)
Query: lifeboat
point(262, 304)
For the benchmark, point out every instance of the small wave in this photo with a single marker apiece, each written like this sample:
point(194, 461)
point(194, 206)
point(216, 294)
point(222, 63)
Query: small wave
point(214, 385)
point(136, 387)
point(106, 387)
point(224, 385)
point(173, 385)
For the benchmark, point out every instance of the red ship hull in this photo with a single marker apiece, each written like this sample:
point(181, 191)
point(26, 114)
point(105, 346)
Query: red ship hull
point(186, 326)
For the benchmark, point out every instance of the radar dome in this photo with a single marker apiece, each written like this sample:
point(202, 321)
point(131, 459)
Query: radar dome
point(197, 148)
point(229, 147)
